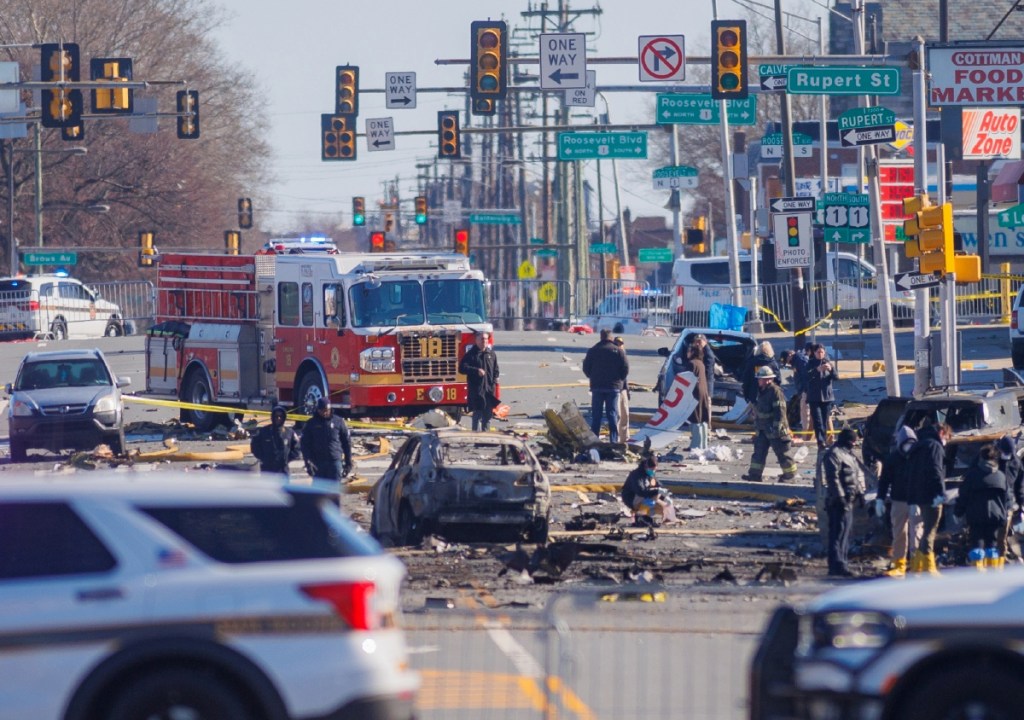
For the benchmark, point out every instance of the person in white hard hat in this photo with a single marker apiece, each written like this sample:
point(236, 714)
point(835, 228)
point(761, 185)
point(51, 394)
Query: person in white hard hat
point(772, 428)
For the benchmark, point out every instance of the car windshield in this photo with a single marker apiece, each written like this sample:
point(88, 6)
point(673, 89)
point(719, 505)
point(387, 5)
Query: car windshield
point(402, 302)
point(483, 453)
point(961, 416)
point(62, 373)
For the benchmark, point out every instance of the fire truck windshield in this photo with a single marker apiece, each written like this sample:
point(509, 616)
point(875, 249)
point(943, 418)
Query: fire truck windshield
point(402, 302)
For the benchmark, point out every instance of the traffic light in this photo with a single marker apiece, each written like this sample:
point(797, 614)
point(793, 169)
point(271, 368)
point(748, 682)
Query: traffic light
point(449, 142)
point(59, 62)
point(62, 108)
point(244, 213)
point(488, 65)
point(729, 59)
point(112, 101)
point(73, 133)
point(338, 138)
point(421, 210)
point(792, 231)
point(188, 114)
point(358, 211)
point(929, 234)
point(462, 241)
point(377, 240)
point(232, 241)
point(346, 99)
point(148, 254)
point(389, 222)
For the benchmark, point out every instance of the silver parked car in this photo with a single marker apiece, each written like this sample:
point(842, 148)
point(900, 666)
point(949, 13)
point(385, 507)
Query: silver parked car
point(452, 481)
point(65, 399)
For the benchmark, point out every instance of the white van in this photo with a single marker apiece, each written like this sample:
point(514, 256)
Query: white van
point(701, 282)
point(632, 311)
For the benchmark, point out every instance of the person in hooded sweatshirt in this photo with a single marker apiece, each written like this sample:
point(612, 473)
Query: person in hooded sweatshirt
point(1013, 469)
point(983, 501)
point(892, 485)
point(926, 490)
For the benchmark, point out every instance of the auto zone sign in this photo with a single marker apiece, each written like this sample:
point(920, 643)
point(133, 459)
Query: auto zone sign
point(990, 133)
point(976, 74)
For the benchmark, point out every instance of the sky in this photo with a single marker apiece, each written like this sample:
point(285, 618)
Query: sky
point(293, 47)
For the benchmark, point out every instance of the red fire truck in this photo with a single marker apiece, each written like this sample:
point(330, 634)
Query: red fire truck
point(381, 333)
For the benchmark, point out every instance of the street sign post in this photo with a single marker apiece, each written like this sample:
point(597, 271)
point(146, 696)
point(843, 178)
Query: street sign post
point(867, 126)
point(380, 134)
point(679, 109)
point(678, 176)
point(907, 281)
point(835, 80)
point(847, 217)
point(661, 58)
point(494, 218)
point(49, 258)
point(793, 234)
point(563, 61)
point(602, 145)
point(771, 145)
point(655, 255)
point(401, 90)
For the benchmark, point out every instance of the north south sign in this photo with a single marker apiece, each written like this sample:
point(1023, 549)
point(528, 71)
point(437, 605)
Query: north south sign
point(803, 80)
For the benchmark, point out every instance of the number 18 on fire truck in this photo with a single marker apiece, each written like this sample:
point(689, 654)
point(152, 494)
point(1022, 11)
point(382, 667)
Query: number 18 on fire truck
point(383, 331)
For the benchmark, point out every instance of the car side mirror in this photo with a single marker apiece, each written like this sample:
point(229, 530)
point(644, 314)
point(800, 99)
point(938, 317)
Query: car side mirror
point(124, 381)
point(664, 351)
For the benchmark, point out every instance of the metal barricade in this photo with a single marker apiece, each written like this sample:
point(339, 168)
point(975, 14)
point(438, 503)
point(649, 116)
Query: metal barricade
point(982, 301)
point(137, 300)
point(528, 304)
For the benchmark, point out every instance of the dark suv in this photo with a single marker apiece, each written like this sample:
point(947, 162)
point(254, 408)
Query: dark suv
point(65, 399)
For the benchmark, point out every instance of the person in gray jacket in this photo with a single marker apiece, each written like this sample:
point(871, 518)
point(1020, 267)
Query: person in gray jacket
point(844, 487)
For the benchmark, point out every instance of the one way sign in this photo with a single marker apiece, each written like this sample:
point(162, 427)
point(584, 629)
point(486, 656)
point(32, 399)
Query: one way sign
point(792, 205)
point(914, 280)
point(380, 134)
point(401, 90)
point(563, 61)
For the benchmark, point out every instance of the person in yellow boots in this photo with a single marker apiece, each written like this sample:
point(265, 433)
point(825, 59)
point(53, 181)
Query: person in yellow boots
point(892, 486)
point(927, 491)
point(984, 501)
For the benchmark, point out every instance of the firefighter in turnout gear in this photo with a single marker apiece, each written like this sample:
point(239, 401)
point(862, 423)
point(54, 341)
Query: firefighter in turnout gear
point(772, 428)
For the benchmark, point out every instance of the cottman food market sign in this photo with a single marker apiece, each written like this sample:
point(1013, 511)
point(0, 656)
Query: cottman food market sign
point(976, 75)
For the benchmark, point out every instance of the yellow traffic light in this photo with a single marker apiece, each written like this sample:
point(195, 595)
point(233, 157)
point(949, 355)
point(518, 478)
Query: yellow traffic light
point(232, 242)
point(188, 114)
point(729, 59)
point(449, 140)
point(462, 241)
point(389, 222)
point(111, 100)
point(73, 133)
point(148, 254)
point(244, 213)
point(338, 137)
point(488, 65)
point(346, 100)
point(930, 235)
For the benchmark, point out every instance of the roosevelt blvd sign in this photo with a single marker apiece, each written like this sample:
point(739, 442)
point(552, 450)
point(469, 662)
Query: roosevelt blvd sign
point(678, 176)
point(914, 280)
point(602, 145)
point(679, 109)
point(804, 80)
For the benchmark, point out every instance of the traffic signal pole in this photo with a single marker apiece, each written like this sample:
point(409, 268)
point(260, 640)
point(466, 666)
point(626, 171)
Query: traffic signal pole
point(922, 321)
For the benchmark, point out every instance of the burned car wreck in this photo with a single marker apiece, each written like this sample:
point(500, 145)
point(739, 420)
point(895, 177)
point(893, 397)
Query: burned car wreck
point(460, 484)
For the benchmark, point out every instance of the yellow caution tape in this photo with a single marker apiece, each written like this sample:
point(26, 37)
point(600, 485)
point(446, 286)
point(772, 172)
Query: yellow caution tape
point(782, 327)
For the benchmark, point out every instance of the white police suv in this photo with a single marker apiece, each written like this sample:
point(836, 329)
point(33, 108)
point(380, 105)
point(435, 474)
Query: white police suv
point(129, 596)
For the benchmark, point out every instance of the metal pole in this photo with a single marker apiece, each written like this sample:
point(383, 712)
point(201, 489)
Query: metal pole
point(10, 208)
point(823, 133)
point(922, 325)
point(39, 185)
point(677, 211)
point(755, 324)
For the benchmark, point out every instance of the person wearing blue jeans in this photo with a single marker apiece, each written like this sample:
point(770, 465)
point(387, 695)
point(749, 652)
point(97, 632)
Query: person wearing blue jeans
point(606, 366)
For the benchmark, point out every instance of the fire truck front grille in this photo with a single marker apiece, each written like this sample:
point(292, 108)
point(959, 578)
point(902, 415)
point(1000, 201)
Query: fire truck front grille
point(429, 358)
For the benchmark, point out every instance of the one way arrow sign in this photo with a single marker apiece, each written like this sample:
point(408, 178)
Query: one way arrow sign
point(401, 90)
point(563, 61)
point(380, 134)
point(791, 205)
point(914, 280)
point(774, 83)
point(868, 136)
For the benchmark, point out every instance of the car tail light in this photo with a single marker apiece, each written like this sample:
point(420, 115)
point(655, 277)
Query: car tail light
point(30, 306)
point(352, 602)
point(1013, 321)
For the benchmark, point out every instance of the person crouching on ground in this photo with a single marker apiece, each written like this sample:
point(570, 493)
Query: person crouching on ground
point(984, 501)
point(643, 495)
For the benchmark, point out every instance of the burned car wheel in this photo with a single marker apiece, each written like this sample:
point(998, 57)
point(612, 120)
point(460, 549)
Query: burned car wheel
point(538, 533)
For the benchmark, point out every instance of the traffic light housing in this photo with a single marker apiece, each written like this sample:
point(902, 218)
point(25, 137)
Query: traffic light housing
point(389, 222)
point(188, 114)
point(461, 236)
point(338, 137)
point(377, 241)
point(358, 211)
point(73, 133)
point(488, 65)
point(930, 235)
point(112, 101)
point(59, 62)
point(421, 210)
point(244, 213)
point(148, 255)
point(232, 242)
point(449, 139)
point(346, 99)
point(729, 60)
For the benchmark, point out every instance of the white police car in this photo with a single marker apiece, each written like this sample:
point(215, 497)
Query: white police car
point(148, 595)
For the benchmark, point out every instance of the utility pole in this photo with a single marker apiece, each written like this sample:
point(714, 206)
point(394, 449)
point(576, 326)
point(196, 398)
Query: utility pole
point(922, 309)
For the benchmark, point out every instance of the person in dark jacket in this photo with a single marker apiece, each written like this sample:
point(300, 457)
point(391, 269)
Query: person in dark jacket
point(701, 341)
point(892, 485)
point(984, 501)
point(772, 429)
point(275, 445)
point(480, 366)
point(844, 488)
point(700, 420)
point(606, 366)
point(1013, 469)
point(799, 362)
point(763, 357)
point(642, 493)
point(926, 490)
point(327, 444)
point(819, 375)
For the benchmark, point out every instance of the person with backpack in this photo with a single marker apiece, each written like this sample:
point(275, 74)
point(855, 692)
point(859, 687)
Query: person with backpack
point(984, 501)
point(892, 485)
point(926, 491)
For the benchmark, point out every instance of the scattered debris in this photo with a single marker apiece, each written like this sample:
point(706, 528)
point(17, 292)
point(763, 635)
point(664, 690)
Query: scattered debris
point(725, 576)
point(432, 419)
point(776, 572)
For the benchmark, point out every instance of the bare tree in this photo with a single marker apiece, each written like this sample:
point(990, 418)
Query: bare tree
point(183, 190)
